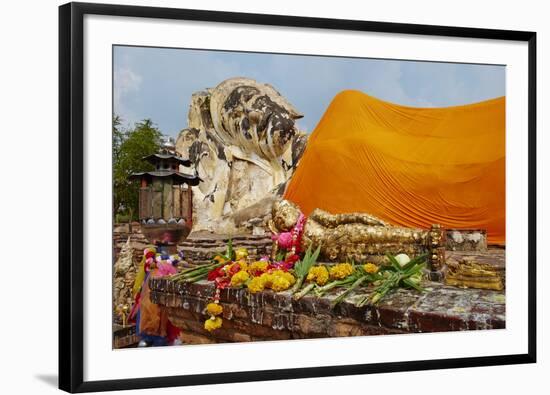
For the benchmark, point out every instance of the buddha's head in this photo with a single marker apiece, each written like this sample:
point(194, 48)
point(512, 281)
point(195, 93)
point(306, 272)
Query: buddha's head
point(254, 117)
point(285, 215)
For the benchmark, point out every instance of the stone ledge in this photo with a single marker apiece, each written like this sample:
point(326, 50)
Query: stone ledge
point(270, 316)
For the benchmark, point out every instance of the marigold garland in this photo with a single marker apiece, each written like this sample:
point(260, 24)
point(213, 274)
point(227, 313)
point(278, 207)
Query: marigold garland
point(267, 279)
point(263, 274)
point(286, 275)
point(214, 309)
point(256, 285)
point(277, 280)
point(239, 278)
point(340, 271)
point(213, 323)
point(370, 268)
point(279, 284)
point(241, 253)
point(257, 268)
point(220, 259)
point(319, 274)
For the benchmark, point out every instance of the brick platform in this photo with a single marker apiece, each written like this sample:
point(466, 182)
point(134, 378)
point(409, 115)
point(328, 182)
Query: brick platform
point(273, 316)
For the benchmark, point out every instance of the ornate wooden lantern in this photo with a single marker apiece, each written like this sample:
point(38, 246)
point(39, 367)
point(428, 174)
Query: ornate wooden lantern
point(166, 199)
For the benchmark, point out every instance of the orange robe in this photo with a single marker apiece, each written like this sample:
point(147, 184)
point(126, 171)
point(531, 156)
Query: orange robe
point(409, 166)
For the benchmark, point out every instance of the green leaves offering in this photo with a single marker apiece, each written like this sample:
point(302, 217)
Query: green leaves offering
point(397, 276)
point(411, 265)
point(197, 273)
point(229, 250)
point(385, 280)
point(344, 294)
point(355, 280)
point(301, 268)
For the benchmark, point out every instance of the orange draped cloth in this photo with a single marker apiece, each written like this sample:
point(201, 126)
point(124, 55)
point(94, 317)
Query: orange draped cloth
point(409, 166)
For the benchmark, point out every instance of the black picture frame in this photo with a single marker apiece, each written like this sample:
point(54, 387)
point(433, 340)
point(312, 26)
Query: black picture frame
point(71, 205)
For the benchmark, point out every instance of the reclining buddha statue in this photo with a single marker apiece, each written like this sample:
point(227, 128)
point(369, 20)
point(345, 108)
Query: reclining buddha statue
point(357, 236)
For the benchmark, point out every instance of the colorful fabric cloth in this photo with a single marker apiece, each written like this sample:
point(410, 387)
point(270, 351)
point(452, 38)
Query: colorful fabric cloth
point(409, 166)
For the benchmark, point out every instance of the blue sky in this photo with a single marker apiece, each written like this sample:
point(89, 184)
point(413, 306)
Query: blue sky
point(157, 83)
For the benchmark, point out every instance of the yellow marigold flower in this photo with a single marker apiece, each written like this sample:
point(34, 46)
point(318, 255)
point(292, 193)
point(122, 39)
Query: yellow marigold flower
point(212, 323)
point(267, 279)
point(319, 274)
point(312, 274)
point(256, 285)
point(241, 253)
point(220, 259)
point(242, 263)
point(370, 267)
point(286, 275)
point(258, 266)
point(214, 309)
point(340, 271)
point(280, 283)
point(239, 278)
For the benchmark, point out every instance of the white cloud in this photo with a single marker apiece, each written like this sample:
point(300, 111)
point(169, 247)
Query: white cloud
point(158, 83)
point(125, 83)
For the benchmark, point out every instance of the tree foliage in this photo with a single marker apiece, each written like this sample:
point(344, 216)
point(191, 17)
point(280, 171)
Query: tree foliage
point(129, 148)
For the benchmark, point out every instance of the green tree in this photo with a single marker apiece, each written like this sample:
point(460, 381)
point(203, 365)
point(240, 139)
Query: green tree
point(118, 137)
point(129, 148)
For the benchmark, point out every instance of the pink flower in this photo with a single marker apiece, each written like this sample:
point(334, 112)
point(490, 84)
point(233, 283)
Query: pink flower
point(166, 269)
point(284, 239)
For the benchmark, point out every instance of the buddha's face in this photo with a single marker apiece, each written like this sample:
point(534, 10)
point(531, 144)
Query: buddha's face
point(285, 215)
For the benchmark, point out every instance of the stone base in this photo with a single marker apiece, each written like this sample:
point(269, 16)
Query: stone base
point(437, 275)
point(272, 316)
point(466, 239)
point(276, 316)
point(125, 336)
point(493, 258)
point(202, 247)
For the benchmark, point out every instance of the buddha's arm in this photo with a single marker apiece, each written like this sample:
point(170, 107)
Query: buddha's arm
point(333, 220)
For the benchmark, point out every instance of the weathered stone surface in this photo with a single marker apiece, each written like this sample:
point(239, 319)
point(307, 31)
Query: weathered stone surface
point(245, 144)
point(495, 257)
point(194, 338)
point(271, 316)
point(466, 239)
point(201, 247)
point(124, 274)
point(129, 242)
point(479, 269)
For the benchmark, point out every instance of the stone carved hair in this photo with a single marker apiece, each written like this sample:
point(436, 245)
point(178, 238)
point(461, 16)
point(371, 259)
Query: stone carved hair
point(253, 116)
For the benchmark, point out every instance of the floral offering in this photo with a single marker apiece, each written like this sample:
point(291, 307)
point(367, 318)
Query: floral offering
point(340, 271)
point(318, 274)
point(288, 272)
